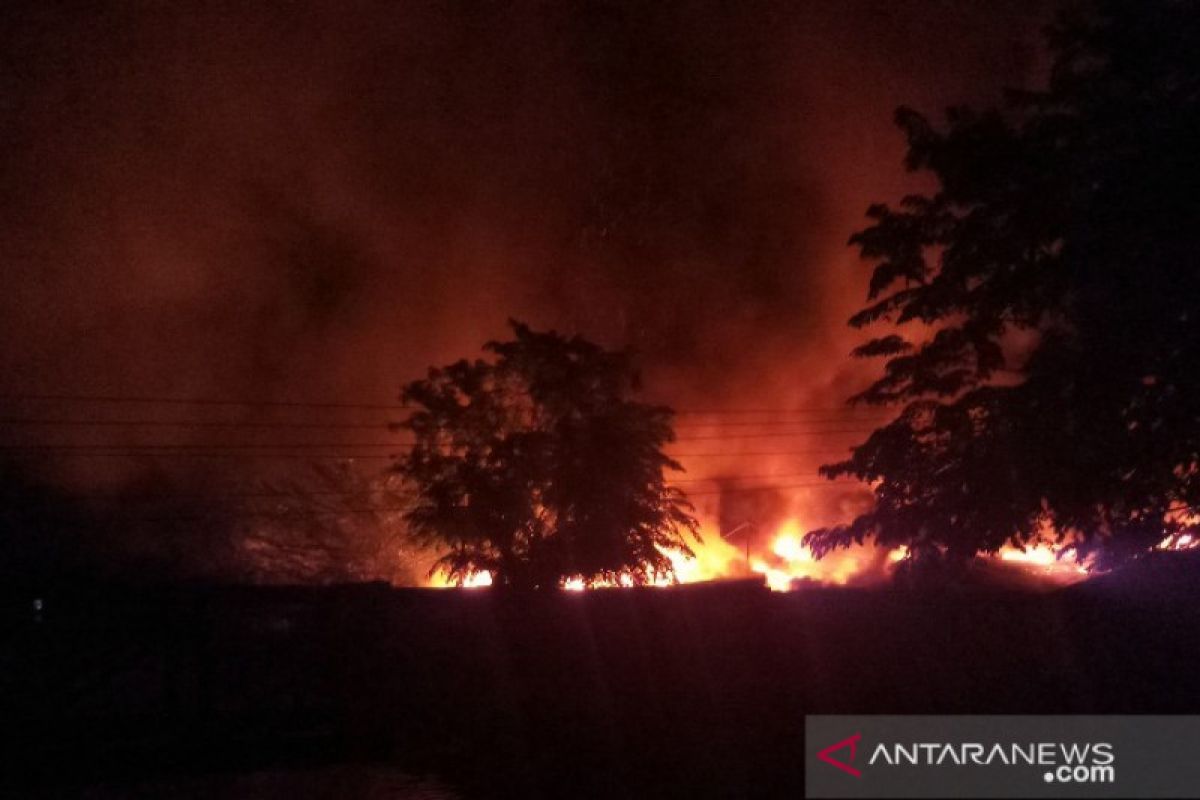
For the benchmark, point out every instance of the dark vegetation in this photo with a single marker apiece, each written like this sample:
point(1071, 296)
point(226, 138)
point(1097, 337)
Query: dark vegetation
point(309, 528)
point(1048, 355)
point(537, 466)
point(696, 691)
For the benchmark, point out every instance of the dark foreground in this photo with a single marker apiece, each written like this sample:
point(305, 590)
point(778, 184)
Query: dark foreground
point(699, 691)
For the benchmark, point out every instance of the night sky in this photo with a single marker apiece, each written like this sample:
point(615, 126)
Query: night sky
point(277, 200)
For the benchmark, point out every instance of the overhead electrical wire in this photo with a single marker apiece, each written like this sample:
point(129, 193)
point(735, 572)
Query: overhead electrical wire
point(270, 450)
point(184, 446)
point(315, 404)
point(306, 493)
point(292, 513)
point(793, 422)
point(371, 457)
point(67, 422)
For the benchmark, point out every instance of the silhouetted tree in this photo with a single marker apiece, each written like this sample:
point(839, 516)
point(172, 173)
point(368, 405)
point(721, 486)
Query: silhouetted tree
point(334, 524)
point(1050, 379)
point(536, 467)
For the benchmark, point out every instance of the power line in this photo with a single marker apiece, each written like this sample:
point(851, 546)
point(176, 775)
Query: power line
point(315, 404)
point(184, 447)
point(781, 434)
point(774, 486)
point(126, 454)
point(189, 423)
point(751, 476)
point(285, 448)
point(283, 495)
point(348, 492)
point(397, 448)
point(275, 425)
point(794, 410)
point(200, 401)
point(306, 513)
point(780, 423)
point(134, 446)
point(737, 454)
point(306, 493)
point(285, 514)
point(217, 455)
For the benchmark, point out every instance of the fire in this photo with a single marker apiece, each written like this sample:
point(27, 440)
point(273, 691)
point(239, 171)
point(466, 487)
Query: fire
point(1056, 564)
point(1184, 541)
point(1179, 541)
point(787, 564)
point(476, 580)
point(1042, 556)
point(787, 544)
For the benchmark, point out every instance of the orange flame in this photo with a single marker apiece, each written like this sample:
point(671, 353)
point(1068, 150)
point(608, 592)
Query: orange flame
point(788, 564)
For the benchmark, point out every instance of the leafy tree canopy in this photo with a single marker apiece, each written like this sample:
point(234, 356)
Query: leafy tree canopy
point(1048, 353)
point(535, 466)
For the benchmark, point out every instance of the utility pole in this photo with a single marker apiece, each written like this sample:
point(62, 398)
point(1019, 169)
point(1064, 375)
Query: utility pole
point(748, 527)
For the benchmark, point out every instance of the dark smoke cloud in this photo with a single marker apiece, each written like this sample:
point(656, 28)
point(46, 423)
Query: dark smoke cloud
point(321, 199)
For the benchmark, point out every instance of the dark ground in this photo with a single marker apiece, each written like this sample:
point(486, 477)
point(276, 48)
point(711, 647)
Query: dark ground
point(698, 691)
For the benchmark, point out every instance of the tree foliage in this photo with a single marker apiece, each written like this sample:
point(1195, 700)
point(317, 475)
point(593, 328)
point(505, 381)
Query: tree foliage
point(536, 467)
point(1050, 378)
point(332, 524)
